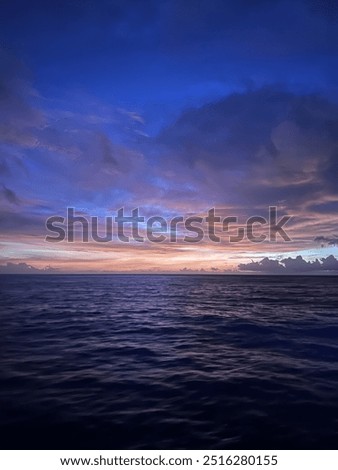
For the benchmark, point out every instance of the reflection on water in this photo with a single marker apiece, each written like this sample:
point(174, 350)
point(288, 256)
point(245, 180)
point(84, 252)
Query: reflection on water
point(168, 362)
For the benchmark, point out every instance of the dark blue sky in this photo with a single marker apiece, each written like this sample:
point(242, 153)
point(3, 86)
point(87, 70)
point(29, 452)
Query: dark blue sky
point(151, 54)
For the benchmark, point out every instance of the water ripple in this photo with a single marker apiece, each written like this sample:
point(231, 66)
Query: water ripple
point(168, 362)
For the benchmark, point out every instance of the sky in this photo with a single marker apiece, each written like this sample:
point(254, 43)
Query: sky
point(172, 107)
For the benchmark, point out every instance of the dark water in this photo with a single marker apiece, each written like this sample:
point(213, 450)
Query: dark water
point(107, 362)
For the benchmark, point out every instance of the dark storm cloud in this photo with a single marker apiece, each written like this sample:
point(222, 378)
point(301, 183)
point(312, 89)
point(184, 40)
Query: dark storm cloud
point(291, 265)
point(225, 132)
point(273, 145)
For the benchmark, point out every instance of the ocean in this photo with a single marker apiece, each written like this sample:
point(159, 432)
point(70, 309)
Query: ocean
point(168, 362)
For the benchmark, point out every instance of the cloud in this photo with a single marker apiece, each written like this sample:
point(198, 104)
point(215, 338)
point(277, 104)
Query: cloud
point(186, 270)
point(246, 151)
point(261, 146)
point(10, 196)
point(78, 147)
point(330, 241)
point(291, 265)
point(254, 148)
point(24, 268)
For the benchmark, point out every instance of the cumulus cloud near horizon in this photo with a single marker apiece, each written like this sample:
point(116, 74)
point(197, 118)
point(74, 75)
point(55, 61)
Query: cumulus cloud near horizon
point(291, 265)
point(24, 268)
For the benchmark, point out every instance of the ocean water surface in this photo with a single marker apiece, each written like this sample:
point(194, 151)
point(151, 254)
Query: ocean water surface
point(168, 362)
